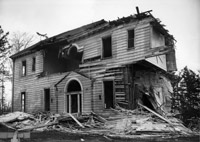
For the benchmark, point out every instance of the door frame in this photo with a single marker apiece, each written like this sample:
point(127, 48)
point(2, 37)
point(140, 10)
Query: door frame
point(78, 93)
point(103, 88)
point(49, 99)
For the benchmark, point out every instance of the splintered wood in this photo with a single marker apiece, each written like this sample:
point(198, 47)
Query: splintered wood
point(119, 122)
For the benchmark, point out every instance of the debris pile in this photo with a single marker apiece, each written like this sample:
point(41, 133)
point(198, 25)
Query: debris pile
point(137, 122)
point(141, 121)
point(41, 121)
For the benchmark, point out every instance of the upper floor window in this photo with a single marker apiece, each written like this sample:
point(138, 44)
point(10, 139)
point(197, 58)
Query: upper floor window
point(33, 63)
point(107, 47)
point(131, 36)
point(23, 68)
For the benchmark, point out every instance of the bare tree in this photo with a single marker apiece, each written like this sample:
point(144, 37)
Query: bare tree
point(4, 52)
point(21, 41)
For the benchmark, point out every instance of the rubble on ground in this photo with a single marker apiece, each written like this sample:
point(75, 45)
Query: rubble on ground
point(124, 123)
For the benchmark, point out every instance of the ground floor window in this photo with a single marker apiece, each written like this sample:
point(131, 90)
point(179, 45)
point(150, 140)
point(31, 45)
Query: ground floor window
point(23, 101)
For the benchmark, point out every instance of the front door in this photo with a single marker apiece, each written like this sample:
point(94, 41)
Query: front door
point(108, 94)
point(74, 103)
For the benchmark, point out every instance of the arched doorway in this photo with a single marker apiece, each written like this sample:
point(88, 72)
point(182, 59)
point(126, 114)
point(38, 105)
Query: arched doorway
point(73, 101)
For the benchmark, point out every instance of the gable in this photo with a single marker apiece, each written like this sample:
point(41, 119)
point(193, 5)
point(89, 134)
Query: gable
point(71, 75)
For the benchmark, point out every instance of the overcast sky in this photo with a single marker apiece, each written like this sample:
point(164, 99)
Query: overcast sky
point(181, 17)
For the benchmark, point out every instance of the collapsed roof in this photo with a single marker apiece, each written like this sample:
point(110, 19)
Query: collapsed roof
point(88, 30)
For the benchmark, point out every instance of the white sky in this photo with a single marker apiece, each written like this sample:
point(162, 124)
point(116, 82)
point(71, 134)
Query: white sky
point(181, 17)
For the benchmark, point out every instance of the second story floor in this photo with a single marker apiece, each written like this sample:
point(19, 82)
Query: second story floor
point(119, 42)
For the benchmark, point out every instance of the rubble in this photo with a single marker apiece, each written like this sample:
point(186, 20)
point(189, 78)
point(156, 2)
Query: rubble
point(125, 123)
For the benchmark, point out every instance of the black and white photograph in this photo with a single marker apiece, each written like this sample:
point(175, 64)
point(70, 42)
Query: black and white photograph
point(99, 70)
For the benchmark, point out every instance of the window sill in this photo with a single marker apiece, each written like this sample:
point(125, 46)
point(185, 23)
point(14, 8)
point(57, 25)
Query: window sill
point(106, 58)
point(131, 48)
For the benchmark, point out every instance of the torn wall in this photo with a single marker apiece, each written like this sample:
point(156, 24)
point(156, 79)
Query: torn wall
point(154, 89)
point(62, 59)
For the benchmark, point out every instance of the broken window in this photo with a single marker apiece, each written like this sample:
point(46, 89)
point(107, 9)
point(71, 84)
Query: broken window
point(131, 36)
point(23, 101)
point(23, 68)
point(107, 47)
point(33, 64)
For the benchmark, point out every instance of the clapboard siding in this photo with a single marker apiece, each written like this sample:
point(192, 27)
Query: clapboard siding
point(120, 52)
point(98, 96)
point(34, 86)
point(86, 92)
point(34, 89)
point(120, 55)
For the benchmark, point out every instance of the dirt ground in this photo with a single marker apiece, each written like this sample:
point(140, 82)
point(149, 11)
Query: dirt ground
point(55, 136)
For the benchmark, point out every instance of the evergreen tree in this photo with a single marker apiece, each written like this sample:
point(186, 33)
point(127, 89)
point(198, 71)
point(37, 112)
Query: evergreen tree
point(186, 99)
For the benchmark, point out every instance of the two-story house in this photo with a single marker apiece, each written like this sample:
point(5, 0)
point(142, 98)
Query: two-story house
point(95, 67)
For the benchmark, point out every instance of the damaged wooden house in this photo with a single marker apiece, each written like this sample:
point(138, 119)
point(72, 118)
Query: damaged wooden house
point(96, 66)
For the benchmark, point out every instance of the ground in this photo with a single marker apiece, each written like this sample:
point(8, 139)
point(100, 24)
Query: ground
point(55, 136)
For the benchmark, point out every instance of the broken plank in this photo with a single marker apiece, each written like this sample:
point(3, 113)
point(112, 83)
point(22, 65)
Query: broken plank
point(7, 126)
point(155, 113)
point(38, 126)
point(99, 117)
point(104, 75)
point(86, 65)
point(76, 120)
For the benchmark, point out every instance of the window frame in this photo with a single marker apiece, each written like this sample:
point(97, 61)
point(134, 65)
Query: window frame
point(33, 64)
point(23, 101)
point(24, 68)
point(129, 46)
point(103, 46)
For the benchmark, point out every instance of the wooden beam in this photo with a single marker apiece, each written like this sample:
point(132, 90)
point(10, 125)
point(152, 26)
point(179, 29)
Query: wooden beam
point(155, 114)
point(76, 120)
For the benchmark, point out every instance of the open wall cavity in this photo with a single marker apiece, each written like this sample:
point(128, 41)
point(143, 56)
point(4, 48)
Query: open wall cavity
point(61, 59)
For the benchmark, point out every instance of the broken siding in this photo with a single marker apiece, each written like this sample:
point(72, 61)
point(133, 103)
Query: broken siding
point(121, 55)
point(120, 52)
point(159, 83)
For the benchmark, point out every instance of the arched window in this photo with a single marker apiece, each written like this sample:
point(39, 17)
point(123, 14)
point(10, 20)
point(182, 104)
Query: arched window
point(73, 86)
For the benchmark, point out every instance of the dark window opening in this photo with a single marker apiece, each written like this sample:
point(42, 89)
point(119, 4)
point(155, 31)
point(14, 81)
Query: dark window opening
point(23, 101)
point(23, 68)
point(131, 36)
point(47, 99)
point(107, 47)
point(33, 64)
point(74, 86)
